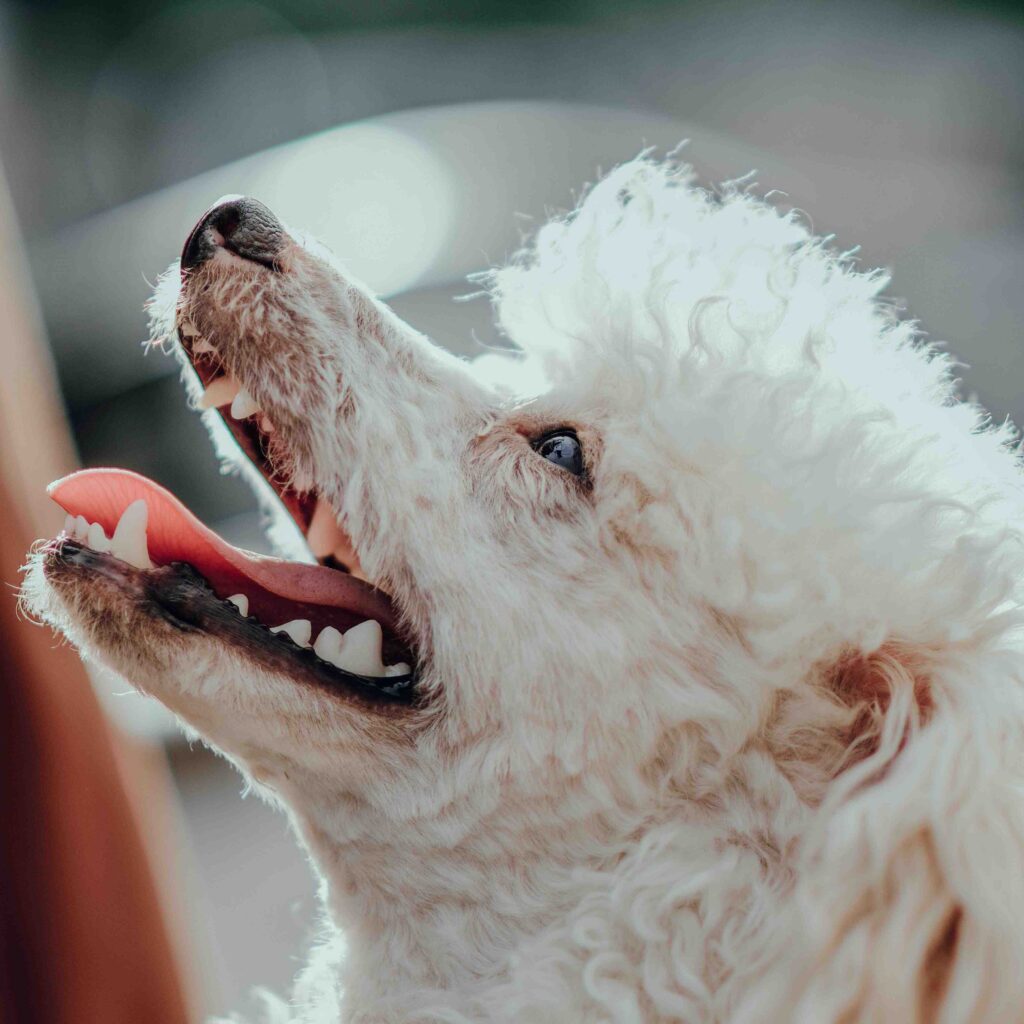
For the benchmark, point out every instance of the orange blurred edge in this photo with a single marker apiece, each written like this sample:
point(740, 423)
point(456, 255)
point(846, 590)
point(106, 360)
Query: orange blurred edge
point(86, 858)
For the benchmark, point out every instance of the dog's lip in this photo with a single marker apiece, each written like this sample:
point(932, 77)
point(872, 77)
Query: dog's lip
point(176, 535)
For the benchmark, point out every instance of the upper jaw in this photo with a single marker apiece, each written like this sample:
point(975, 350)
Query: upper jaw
point(335, 403)
point(224, 368)
point(281, 359)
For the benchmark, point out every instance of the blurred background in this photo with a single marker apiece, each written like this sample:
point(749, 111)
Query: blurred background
point(421, 140)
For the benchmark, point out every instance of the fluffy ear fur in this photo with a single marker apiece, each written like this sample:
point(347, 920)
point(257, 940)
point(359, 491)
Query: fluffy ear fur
point(907, 903)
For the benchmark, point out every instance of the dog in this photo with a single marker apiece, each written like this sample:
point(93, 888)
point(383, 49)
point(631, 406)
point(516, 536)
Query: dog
point(666, 667)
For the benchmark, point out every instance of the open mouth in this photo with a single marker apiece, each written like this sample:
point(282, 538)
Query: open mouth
point(333, 624)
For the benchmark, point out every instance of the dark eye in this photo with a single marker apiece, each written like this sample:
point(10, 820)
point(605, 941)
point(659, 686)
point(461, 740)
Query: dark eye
point(563, 448)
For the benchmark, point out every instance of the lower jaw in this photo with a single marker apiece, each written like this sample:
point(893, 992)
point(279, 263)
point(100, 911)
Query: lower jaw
point(183, 598)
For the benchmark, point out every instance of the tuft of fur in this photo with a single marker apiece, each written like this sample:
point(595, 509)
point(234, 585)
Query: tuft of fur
point(732, 729)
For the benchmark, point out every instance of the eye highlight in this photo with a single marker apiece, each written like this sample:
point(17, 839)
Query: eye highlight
point(562, 448)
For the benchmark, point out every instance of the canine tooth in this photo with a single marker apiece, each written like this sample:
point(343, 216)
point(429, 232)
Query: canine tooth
point(360, 649)
point(188, 329)
point(328, 644)
point(97, 538)
point(266, 426)
point(220, 392)
point(243, 405)
point(300, 630)
point(400, 669)
point(129, 540)
point(69, 525)
point(241, 602)
point(201, 346)
point(81, 528)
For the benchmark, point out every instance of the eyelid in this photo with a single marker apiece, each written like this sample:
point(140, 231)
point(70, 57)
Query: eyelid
point(536, 442)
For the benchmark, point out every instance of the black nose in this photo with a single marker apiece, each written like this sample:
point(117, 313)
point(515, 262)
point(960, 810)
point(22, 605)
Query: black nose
point(239, 224)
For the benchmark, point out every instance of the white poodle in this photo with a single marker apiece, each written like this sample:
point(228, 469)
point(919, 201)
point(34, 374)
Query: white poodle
point(692, 689)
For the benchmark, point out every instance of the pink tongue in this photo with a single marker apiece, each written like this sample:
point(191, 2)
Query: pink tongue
point(175, 535)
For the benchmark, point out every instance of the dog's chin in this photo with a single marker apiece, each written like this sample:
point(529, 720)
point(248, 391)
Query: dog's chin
point(258, 697)
point(278, 713)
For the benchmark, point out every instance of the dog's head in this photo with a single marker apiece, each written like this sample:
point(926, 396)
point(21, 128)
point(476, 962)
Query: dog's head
point(697, 543)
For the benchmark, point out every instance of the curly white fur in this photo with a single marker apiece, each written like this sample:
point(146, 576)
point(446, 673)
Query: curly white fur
point(734, 735)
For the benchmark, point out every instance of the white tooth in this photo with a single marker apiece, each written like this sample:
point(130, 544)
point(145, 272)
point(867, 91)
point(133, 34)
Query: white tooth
point(129, 540)
point(220, 392)
point(401, 669)
point(81, 529)
point(266, 426)
point(243, 405)
point(69, 525)
point(201, 346)
point(300, 630)
point(324, 533)
point(98, 538)
point(328, 644)
point(241, 602)
point(360, 649)
point(188, 330)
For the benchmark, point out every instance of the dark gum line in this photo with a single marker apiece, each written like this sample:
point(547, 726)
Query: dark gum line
point(185, 598)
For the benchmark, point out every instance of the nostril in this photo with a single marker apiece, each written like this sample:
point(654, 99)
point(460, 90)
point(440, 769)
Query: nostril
point(226, 222)
point(238, 224)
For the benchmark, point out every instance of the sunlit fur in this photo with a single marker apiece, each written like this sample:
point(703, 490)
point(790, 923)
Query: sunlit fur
point(731, 730)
